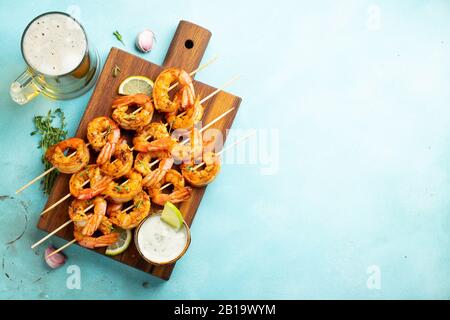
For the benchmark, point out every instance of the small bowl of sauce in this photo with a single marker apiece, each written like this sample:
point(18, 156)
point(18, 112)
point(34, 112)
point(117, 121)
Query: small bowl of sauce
point(159, 243)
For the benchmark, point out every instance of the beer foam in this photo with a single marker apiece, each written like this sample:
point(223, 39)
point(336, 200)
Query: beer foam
point(54, 44)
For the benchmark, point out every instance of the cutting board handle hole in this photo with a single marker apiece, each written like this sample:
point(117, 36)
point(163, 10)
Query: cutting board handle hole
point(189, 44)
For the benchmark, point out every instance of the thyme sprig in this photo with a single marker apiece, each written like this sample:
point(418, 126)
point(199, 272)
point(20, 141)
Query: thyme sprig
point(50, 135)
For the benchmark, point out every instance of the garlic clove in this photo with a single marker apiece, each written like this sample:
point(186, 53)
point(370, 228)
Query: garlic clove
point(145, 40)
point(55, 260)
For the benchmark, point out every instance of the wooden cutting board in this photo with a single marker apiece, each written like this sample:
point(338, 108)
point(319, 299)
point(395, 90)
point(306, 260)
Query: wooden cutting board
point(186, 51)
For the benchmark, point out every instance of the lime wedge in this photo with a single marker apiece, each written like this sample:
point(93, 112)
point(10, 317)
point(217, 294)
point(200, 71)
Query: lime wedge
point(136, 84)
point(172, 216)
point(122, 243)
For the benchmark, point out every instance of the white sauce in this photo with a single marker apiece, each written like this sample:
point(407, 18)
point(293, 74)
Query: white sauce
point(159, 242)
point(54, 44)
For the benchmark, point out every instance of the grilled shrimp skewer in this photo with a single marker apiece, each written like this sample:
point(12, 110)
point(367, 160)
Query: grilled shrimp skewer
point(78, 210)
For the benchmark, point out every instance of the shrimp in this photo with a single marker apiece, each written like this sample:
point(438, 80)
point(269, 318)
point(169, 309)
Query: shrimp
point(180, 191)
point(193, 115)
point(133, 121)
point(94, 242)
point(155, 131)
point(98, 183)
point(129, 220)
point(65, 164)
point(123, 161)
point(202, 176)
point(161, 90)
point(103, 134)
point(89, 222)
point(120, 193)
point(163, 144)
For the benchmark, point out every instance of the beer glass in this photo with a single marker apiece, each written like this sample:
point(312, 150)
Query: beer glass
point(61, 63)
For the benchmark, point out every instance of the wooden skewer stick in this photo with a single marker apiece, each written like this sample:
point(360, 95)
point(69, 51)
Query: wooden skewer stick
point(68, 244)
point(191, 74)
point(226, 85)
point(165, 186)
point(51, 234)
point(35, 179)
point(128, 208)
point(219, 153)
point(200, 68)
point(67, 196)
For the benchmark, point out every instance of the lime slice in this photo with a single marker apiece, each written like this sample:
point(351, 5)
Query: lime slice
point(122, 243)
point(172, 216)
point(136, 84)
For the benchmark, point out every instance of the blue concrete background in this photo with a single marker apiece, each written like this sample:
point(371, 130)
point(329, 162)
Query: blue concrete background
point(359, 94)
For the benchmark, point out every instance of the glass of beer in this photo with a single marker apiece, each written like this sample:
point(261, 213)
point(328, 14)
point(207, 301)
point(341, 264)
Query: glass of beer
point(61, 63)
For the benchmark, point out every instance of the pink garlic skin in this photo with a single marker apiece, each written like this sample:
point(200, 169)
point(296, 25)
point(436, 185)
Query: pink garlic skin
point(56, 260)
point(145, 41)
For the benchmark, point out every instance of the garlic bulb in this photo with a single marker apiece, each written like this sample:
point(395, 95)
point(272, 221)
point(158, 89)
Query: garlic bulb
point(145, 41)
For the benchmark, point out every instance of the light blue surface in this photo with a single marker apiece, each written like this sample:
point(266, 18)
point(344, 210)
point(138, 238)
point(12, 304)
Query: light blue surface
point(359, 93)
